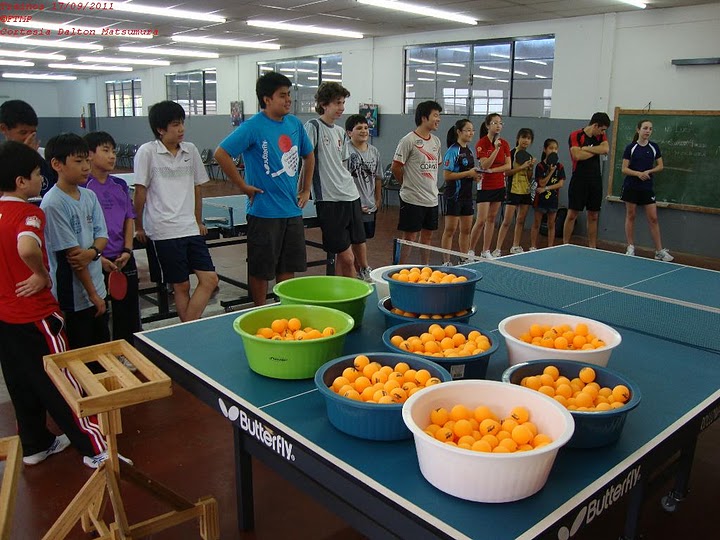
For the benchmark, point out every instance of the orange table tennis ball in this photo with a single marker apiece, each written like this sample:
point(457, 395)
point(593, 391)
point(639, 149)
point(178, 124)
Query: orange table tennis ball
point(339, 382)
point(621, 394)
point(444, 434)
point(422, 376)
point(350, 373)
point(328, 331)
point(460, 412)
point(360, 362)
point(439, 416)
point(520, 414)
point(279, 325)
point(266, 333)
point(450, 330)
point(489, 426)
point(294, 324)
point(462, 427)
point(587, 375)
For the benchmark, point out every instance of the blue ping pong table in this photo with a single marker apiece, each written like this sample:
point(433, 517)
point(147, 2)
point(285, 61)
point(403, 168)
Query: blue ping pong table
point(377, 487)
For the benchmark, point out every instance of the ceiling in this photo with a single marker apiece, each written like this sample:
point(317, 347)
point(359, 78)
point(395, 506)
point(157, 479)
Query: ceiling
point(344, 14)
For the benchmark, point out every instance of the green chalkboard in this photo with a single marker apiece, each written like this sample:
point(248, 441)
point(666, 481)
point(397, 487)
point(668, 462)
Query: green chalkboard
point(690, 145)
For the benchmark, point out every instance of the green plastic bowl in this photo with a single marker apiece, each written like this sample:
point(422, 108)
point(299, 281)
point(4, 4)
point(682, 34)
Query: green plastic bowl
point(292, 359)
point(343, 293)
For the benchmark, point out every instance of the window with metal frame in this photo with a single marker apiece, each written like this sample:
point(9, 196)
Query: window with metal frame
point(306, 75)
point(124, 98)
point(512, 77)
point(195, 91)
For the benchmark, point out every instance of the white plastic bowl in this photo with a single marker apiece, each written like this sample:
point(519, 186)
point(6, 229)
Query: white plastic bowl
point(381, 286)
point(486, 477)
point(513, 327)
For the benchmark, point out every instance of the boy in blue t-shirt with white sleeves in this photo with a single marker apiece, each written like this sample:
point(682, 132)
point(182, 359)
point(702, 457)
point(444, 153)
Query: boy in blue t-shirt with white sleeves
point(272, 144)
point(75, 237)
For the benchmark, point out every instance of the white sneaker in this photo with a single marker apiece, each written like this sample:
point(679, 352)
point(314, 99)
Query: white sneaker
point(516, 249)
point(487, 255)
point(497, 253)
point(630, 250)
point(471, 254)
point(364, 274)
point(533, 248)
point(60, 443)
point(95, 461)
point(446, 263)
point(663, 255)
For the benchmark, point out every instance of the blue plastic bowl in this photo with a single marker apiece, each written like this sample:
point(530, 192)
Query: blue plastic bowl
point(374, 421)
point(392, 319)
point(592, 429)
point(463, 367)
point(437, 297)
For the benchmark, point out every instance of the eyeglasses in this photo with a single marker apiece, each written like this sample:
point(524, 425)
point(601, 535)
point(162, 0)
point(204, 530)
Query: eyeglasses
point(496, 123)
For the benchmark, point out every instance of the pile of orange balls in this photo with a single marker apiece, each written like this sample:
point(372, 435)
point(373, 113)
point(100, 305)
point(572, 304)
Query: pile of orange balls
point(292, 330)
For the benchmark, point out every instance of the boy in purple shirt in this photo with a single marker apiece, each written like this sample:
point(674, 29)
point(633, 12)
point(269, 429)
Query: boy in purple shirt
point(114, 196)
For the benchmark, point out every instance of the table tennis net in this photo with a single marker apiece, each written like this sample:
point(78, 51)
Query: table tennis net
point(667, 318)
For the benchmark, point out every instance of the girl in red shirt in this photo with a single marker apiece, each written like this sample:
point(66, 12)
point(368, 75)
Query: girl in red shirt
point(493, 154)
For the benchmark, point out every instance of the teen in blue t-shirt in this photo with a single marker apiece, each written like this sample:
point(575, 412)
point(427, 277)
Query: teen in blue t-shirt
point(641, 160)
point(272, 144)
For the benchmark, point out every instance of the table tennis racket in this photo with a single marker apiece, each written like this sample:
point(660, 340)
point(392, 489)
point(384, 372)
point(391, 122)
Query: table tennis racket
point(552, 158)
point(117, 285)
point(522, 156)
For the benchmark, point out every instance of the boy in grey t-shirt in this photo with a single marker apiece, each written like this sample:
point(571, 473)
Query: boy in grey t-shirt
point(337, 200)
point(365, 167)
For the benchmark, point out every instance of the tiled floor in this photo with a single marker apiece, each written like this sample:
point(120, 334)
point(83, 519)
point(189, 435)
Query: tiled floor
point(186, 445)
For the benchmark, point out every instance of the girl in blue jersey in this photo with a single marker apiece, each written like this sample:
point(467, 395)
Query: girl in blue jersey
point(459, 175)
point(641, 160)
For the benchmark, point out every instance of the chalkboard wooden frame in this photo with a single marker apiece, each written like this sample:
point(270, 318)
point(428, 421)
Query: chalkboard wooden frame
point(616, 122)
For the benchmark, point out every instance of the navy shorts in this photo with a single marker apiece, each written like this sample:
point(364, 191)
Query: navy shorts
point(414, 218)
point(490, 195)
point(461, 207)
point(369, 225)
point(275, 246)
point(341, 223)
point(179, 257)
point(641, 197)
point(584, 193)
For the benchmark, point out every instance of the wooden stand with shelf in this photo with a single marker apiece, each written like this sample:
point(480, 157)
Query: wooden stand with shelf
point(105, 394)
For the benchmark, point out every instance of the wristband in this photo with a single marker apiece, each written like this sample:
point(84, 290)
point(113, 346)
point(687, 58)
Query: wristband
point(128, 251)
point(97, 252)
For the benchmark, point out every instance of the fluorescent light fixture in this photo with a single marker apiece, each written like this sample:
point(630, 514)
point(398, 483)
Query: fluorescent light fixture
point(452, 64)
point(305, 28)
point(54, 43)
point(266, 68)
point(163, 51)
point(225, 42)
point(425, 79)
point(540, 62)
point(419, 10)
point(430, 72)
point(132, 7)
point(520, 72)
point(16, 63)
point(483, 77)
point(35, 56)
point(39, 77)
point(181, 81)
point(77, 30)
point(90, 67)
point(332, 73)
point(540, 77)
point(498, 55)
point(299, 70)
point(489, 68)
point(332, 80)
point(420, 61)
point(640, 5)
point(130, 61)
point(502, 81)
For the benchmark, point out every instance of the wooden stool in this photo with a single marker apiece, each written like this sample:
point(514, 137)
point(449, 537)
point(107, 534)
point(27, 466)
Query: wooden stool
point(11, 453)
point(105, 394)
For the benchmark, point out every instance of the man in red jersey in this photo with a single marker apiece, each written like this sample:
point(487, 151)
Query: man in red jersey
point(31, 324)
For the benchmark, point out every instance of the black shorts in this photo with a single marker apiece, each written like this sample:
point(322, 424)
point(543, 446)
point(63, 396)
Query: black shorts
point(275, 246)
point(369, 225)
point(584, 193)
point(490, 195)
point(516, 199)
point(414, 218)
point(462, 207)
point(179, 257)
point(641, 197)
point(341, 224)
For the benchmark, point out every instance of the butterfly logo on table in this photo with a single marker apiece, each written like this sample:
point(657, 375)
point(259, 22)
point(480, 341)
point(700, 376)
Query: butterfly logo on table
point(232, 414)
point(290, 158)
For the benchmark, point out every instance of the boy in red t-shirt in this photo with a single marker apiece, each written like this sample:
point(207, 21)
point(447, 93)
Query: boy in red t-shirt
point(31, 324)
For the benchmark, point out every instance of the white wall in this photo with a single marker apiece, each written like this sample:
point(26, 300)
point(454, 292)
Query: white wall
point(601, 62)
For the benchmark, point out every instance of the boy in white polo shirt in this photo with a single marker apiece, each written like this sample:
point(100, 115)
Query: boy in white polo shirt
point(168, 208)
